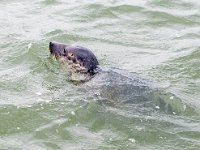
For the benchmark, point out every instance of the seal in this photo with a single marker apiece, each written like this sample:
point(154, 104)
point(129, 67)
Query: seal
point(76, 59)
point(111, 85)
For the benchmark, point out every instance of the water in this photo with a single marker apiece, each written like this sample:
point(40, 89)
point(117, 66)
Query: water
point(40, 109)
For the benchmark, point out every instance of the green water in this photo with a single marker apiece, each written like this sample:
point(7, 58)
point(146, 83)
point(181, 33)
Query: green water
point(40, 109)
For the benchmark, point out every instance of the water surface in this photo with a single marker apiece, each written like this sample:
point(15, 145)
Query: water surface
point(40, 109)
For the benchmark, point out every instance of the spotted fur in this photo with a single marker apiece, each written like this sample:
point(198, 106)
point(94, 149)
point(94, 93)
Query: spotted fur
point(75, 58)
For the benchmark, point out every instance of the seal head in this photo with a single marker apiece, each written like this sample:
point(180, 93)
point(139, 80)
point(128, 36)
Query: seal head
point(76, 59)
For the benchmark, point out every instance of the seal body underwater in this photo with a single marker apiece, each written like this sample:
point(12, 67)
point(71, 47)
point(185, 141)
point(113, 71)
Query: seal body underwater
point(109, 84)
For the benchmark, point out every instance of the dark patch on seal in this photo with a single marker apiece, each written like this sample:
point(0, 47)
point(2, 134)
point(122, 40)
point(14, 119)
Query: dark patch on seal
point(81, 59)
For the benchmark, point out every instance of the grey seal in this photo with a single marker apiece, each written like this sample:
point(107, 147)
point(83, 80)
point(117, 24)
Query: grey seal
point(114, 85)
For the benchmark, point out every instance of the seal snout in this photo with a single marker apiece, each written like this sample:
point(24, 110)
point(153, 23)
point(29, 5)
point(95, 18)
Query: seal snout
point(51, 44)
point(56, 48)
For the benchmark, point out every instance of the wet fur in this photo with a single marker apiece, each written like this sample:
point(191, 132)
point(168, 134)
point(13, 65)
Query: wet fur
point(75, 59)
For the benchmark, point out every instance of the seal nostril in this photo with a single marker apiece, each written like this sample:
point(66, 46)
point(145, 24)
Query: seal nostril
point(51, 44)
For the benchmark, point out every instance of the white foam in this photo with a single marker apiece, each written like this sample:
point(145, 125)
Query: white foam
point(132, 140)
point(29, 45)
point(38, 93)
point(157, 107)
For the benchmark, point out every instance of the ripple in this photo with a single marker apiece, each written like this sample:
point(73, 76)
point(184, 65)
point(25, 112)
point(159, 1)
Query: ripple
point(40, 109)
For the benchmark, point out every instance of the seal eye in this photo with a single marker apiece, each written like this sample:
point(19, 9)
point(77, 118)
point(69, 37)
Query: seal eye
point(72, 54)
point(64, 50)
